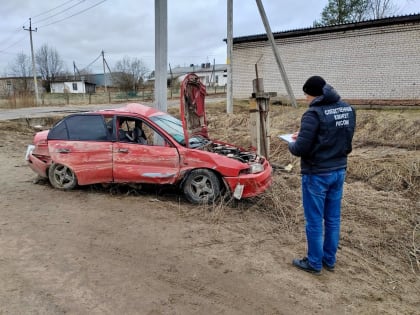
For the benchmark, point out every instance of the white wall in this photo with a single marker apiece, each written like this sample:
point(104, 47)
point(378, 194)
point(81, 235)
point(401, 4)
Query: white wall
point(372, 63)
point(67, 87)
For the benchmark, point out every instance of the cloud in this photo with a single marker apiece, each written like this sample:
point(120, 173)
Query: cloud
point(196, 29)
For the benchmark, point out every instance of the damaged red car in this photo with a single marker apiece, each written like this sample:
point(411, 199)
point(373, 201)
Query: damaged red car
point(137, 144)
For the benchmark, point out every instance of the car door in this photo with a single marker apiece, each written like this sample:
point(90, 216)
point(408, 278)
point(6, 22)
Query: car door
point(154, 161)
point(83, 143)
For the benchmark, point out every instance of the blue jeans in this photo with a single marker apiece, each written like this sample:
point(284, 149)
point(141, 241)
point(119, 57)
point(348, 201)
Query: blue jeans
point(321, 195)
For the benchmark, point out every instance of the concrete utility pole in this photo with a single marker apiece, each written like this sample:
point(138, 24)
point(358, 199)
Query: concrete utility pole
point(161, 54)
point(33, 60)
point(229, 94)
point(103, 64)
point(276, 53)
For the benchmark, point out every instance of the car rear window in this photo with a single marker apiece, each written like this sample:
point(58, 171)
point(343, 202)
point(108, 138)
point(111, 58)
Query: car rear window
point(80, 127)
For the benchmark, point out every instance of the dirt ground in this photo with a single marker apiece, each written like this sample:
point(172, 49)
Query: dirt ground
point(120, 251)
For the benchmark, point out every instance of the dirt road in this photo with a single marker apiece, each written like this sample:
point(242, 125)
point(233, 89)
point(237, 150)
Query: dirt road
point(88, 251)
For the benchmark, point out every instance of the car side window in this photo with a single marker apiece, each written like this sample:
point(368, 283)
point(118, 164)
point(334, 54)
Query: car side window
point(59, 131)
point(80, 128)
point(153, 138)
point(134, 130)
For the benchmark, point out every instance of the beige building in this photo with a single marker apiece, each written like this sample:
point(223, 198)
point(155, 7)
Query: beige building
point(371, 60)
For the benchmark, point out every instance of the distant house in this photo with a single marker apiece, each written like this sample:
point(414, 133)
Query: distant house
point(75, 87)
point(101, 79)
point(15, 85)
point(210, 75)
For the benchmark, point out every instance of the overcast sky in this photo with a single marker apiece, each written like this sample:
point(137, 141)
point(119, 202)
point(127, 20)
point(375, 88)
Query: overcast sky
point(80, 29)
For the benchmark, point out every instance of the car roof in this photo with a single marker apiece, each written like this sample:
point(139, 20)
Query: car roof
point(133, 108)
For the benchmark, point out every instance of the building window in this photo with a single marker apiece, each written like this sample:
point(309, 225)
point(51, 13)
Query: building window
point(217, 79)
point(9, 86)
point(74, 86)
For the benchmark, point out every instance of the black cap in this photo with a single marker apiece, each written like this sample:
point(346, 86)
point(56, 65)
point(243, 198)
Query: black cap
point(313, 86)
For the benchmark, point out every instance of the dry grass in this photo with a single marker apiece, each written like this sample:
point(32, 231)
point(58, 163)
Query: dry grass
point(381, 207)
point(378, 269)
point(24, 100)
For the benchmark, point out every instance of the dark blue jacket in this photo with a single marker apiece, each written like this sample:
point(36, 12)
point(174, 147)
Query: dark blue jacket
point(325, 135)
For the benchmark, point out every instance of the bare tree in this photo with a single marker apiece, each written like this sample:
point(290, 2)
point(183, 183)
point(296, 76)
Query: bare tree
point(50, 64)
point(21, 69)
point(129, 73)
point(379, 9)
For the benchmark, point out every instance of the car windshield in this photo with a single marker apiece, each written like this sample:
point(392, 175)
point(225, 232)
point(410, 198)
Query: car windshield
point(171, 125)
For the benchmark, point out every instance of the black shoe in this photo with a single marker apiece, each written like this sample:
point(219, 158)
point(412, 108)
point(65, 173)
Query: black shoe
point(304, 265)
point(328, 267)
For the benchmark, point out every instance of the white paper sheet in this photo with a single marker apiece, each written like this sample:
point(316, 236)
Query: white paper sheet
point(287, 137)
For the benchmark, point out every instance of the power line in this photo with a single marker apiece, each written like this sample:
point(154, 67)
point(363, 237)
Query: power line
point(100, 55)
point(59, 6)
point(19, 29)
point(77, 13)
point(11, 45)
point(5, 41)
point(60, 12)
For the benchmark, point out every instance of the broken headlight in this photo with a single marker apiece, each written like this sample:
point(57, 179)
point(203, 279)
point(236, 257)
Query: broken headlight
point(255, 168)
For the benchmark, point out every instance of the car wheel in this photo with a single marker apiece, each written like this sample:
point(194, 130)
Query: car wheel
point(62, 177)
point(201, 186)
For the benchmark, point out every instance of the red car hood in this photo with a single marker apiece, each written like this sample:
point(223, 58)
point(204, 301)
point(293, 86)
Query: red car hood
point(192, 107)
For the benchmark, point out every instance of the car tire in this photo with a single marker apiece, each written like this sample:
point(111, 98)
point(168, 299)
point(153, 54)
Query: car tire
point(62, 177)
point(201, 186)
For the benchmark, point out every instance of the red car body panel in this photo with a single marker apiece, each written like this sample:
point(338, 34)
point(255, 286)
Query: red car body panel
point(254, 184)
point(145, 164)
point(91, 161)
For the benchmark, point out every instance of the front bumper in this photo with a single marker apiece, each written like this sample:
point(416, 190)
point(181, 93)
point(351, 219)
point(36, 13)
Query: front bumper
point(250, 185)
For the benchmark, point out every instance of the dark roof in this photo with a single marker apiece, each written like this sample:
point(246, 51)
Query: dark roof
point(198, 68)
point(413, 18)
point(64, 80)
point(18, 78)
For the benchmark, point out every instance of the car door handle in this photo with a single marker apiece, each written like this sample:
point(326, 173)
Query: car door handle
point(123, 150)
point(63, 150)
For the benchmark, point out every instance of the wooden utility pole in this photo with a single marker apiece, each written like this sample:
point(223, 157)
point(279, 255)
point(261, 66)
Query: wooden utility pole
point(172, 79)
point(75, 69)
point(276, 53)
point(259, 117)
point(33, 60)
point(103, 64)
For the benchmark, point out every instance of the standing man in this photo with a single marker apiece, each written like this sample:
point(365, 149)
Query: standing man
point(323, 143)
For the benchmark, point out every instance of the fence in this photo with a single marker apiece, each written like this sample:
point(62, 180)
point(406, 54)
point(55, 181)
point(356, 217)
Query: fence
point(48, 99)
